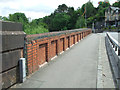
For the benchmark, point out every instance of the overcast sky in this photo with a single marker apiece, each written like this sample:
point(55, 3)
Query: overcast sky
point(39, 8)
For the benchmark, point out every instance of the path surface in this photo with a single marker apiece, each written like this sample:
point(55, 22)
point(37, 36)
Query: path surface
point(75, 68)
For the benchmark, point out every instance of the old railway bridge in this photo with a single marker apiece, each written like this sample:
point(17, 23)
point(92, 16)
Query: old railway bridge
point(66, 59)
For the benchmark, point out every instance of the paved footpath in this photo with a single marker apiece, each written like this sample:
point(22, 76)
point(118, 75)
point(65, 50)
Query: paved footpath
point(75, 68)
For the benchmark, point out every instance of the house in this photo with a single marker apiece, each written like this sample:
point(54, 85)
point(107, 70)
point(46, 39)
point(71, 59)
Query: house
point(112, 16)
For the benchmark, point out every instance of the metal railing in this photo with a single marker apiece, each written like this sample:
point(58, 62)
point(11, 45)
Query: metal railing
point(115, 44)
point(113, 51)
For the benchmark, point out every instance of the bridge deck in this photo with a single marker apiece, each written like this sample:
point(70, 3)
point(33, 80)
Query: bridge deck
point(76, 68)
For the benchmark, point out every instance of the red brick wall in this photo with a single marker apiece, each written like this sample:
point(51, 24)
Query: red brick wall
point(72, 40)
point(67, 42)
point(41, 54)
point(41, 50)
point(29, 58)
point(53, 49)
point(80, 36)
point(61, 44)
point(75, 38)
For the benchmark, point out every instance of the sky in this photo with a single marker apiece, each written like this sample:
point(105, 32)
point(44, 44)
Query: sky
point(39, 8)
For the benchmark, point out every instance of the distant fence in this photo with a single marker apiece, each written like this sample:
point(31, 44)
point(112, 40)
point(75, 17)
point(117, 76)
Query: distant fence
point(41, 48)
point(37, 49)
point(105, 30)
point(113, 50)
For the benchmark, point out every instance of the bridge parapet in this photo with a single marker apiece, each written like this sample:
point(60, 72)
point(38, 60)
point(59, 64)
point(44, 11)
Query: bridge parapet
point(11, 50)
point(37, 49)
point(113, 50)
point(42, 48)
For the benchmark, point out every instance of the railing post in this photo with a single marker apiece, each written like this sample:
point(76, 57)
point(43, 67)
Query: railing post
point(118, 51)
point(115, 48)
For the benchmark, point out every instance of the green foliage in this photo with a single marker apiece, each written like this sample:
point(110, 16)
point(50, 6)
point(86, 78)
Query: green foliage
point(90, 20)
point(73, 18)
point(80, 22)
point(88, 9)
point(116, 4)
point(35, 30)
point(38, 22)
point(100, 16)
point(18, 17)
point(59, 22)
point(63, 18)
point(104, 4)
point(35, 27)
point(61, 9)
point(0, 17)
point(4, 19)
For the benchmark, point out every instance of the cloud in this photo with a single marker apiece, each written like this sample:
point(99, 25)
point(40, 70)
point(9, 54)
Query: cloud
point(34, 8)
point(35, 15)
point(40, 8)
point(6, 1)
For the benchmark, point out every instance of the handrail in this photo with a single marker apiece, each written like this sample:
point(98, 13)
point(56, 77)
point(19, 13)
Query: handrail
point(114, 58)
point(113, 41)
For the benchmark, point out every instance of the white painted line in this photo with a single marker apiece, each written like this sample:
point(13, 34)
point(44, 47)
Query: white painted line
point(54, 57)
point(42, 65)
point(72, 45)
point(76, 43)
point(67, 48)
point(99, 68)
point(62, 52)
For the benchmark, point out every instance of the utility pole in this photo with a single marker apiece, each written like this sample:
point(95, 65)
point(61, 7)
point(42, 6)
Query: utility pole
point(85, 16)
point(93, 27)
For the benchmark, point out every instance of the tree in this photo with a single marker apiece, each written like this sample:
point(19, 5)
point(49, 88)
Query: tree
point(103, 4)
point(63, 18)
point(88, 9)
point(4, 18)
point(80, 22)
point(70, 11)
point(90, 20)
point(36, 30)
point(100, 16)
point(0, 17)
point(18, 17)
point(73, 17)
point(61, 8)
point(116, 4)
point(38, 22)
point(59, 22)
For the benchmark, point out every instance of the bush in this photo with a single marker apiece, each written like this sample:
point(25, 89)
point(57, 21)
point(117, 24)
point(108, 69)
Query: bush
point(36, 30)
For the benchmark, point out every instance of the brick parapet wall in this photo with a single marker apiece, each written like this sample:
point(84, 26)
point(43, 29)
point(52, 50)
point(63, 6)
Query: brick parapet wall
point(43, 50)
